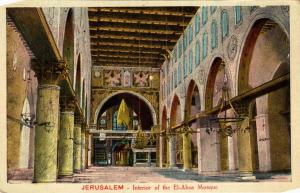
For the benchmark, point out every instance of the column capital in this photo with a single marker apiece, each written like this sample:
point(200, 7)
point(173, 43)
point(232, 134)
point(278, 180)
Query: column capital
point(49, 72)
point(67, 104)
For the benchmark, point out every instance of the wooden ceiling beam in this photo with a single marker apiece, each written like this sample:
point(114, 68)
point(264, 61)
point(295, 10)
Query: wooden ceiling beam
point(123, 37)
point(128, 54)
point(134, 30)
point(121, 49)
point(150, 36)
point(136, 45)
point(107, 56)
point(171, 11)
point(96, 63)
point(136, 42)
point(137, 27)
point(141, 18)
point(135, 60)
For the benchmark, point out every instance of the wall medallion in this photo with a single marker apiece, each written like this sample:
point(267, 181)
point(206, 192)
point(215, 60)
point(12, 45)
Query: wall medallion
point(232, 47)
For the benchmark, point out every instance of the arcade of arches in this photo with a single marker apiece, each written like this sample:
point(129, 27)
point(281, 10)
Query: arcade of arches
point(206, 91)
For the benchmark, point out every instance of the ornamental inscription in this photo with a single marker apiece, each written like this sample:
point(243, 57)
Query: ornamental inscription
point(232, 47)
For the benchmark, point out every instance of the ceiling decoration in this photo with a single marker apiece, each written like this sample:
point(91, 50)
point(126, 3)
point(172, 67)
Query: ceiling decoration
point(135, 36)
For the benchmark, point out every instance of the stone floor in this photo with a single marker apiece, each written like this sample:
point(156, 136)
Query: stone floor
point(148, 175)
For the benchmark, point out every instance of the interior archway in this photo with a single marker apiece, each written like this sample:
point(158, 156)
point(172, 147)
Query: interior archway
point(78, 81)
point(265, 57)
point(193, 106)
point(175, 119)
point(164, 145)
point(68, 44)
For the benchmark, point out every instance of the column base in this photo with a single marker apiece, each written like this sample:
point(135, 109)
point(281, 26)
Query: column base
point(247, 176)
point(209, 173)
point(77, 171)
point(65, 178)
point(44, 181)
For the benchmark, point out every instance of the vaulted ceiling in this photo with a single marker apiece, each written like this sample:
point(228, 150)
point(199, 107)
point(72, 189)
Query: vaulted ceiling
point(136, 36)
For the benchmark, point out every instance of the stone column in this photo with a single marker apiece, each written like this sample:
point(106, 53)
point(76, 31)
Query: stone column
point(149, 159)
point(77, 147)
point(172, 151)
point(66, 135)
point(187, 153)
point(90, 151)
point(82, 149)
point(46, 130)
point(134, 158)
point(161, 151)
point(263, 142)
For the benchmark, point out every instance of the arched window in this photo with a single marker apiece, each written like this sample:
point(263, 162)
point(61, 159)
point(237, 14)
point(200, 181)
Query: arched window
point(212, 9)
point(179, 74)
point(180, 48)
point(171, 82)
point(191, 60)
point(197, 24)
point(237, 15)
point(185, 66)
point(224, 24)
point(175, 54)
point(191, 33)
point(185, 40)
point(175, 78)
point(214, 35)
point(204, 15)
point(115, 122)
point(197, 53)
point(204, 46)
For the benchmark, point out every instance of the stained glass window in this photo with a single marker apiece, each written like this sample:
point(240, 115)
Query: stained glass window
point(185, 66)
point(191, 60)
point(204, 46)
point(197, 53)
point(180, 48)
point(197, 24)
point(204, 15)
point(191, 33)
point(238, 14)
point(212, 9)
point(225, 25)
point(214, 35)
point(115, 124)
point(179, 74)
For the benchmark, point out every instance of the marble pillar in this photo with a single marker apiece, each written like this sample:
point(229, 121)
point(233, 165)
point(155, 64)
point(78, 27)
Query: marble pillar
point(187, 153)
point(77, 148)
point(46, 130)
point(65, 145)
point(134, 158)
point(263, 142)
point(82, 150)
point(172, 151)
point(90, 151)
point(149, 159)
point(161, 155)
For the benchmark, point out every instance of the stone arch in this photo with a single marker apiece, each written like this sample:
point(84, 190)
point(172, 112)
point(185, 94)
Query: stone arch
point(258, 21)
point(77, 83)
point(164, 145)
point(175, 119)
point(153, 113)
point(192, 107)
point(68, 43)
point(25, 136)
point(264, 57)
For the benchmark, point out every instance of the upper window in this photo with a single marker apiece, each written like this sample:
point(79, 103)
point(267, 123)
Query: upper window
point(175, 78)
point(204, 15)
point(185, 41)
point(204, 46)
point(197, 53)
point(191, 60)
point(185, 66)
point(238, 14)
point(190, 33)
point(179, 48)
point(179, 74)
point(197, 24)
point(212, 9)
point(115, 122)
point(214, 35)
point(224, 24)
